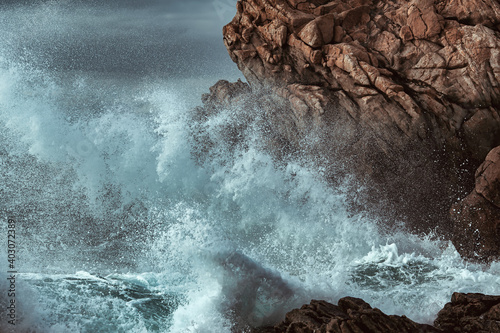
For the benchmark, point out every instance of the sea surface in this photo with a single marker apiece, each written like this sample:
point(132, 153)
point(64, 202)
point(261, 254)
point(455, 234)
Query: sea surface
point(118, 228)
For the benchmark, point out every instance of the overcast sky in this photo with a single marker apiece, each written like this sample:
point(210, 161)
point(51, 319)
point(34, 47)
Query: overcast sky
point(180, 38)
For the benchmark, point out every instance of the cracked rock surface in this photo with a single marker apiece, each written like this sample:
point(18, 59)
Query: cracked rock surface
point(466, 313)
point(470, 313)
point(350, 315)
point(409, 91)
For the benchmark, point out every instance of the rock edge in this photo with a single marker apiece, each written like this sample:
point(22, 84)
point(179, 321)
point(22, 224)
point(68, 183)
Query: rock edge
point(466, 313)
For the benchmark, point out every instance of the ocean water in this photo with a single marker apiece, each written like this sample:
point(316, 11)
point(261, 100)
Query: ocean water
point(120, 229)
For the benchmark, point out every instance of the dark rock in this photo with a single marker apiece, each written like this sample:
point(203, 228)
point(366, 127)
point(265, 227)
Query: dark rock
point(470, 313)
point(477, 217)
point(351, 315)
point(466, 313)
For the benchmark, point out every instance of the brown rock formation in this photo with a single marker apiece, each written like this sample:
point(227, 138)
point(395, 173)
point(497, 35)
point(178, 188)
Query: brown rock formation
point(477, 217)
point(466, 313)
point(422, 70)
point(470, 313)
point(405, 93)
point(351, 315)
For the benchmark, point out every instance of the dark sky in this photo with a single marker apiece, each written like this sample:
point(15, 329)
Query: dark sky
point(151, 37)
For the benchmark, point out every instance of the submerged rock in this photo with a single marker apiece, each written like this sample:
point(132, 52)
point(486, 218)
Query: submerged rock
point(403, 94)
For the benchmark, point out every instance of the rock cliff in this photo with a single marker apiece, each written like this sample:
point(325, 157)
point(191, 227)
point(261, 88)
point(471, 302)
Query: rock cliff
point(405, 93)
point(423, 70)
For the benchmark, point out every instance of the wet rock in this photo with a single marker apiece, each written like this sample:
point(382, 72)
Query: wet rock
point(446, 69)
point(410, 90)
point(477, 217)
point(466, 313)
point(350, 315)
point(470, 313)
point(224, 93)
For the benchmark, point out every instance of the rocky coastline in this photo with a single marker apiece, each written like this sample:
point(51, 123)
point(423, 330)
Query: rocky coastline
point(405, 93)
point(405, 96)
point(466, 313)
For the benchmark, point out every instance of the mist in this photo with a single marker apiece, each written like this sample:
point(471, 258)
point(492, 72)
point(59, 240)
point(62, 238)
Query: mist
point(164, 39)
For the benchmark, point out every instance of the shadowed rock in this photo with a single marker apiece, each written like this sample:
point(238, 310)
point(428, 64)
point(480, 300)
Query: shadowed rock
point(470, 313)
point(477, 217)
point(351, 315)
point(466, 313)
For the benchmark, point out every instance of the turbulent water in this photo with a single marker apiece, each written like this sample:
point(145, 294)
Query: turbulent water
point(119, 229)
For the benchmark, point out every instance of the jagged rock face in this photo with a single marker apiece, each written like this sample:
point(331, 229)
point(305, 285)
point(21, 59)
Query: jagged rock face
point(470, 313)
point(466, 313)
point(351, 315)
point(423, 70)
point(408, 91)
point(477, 217)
